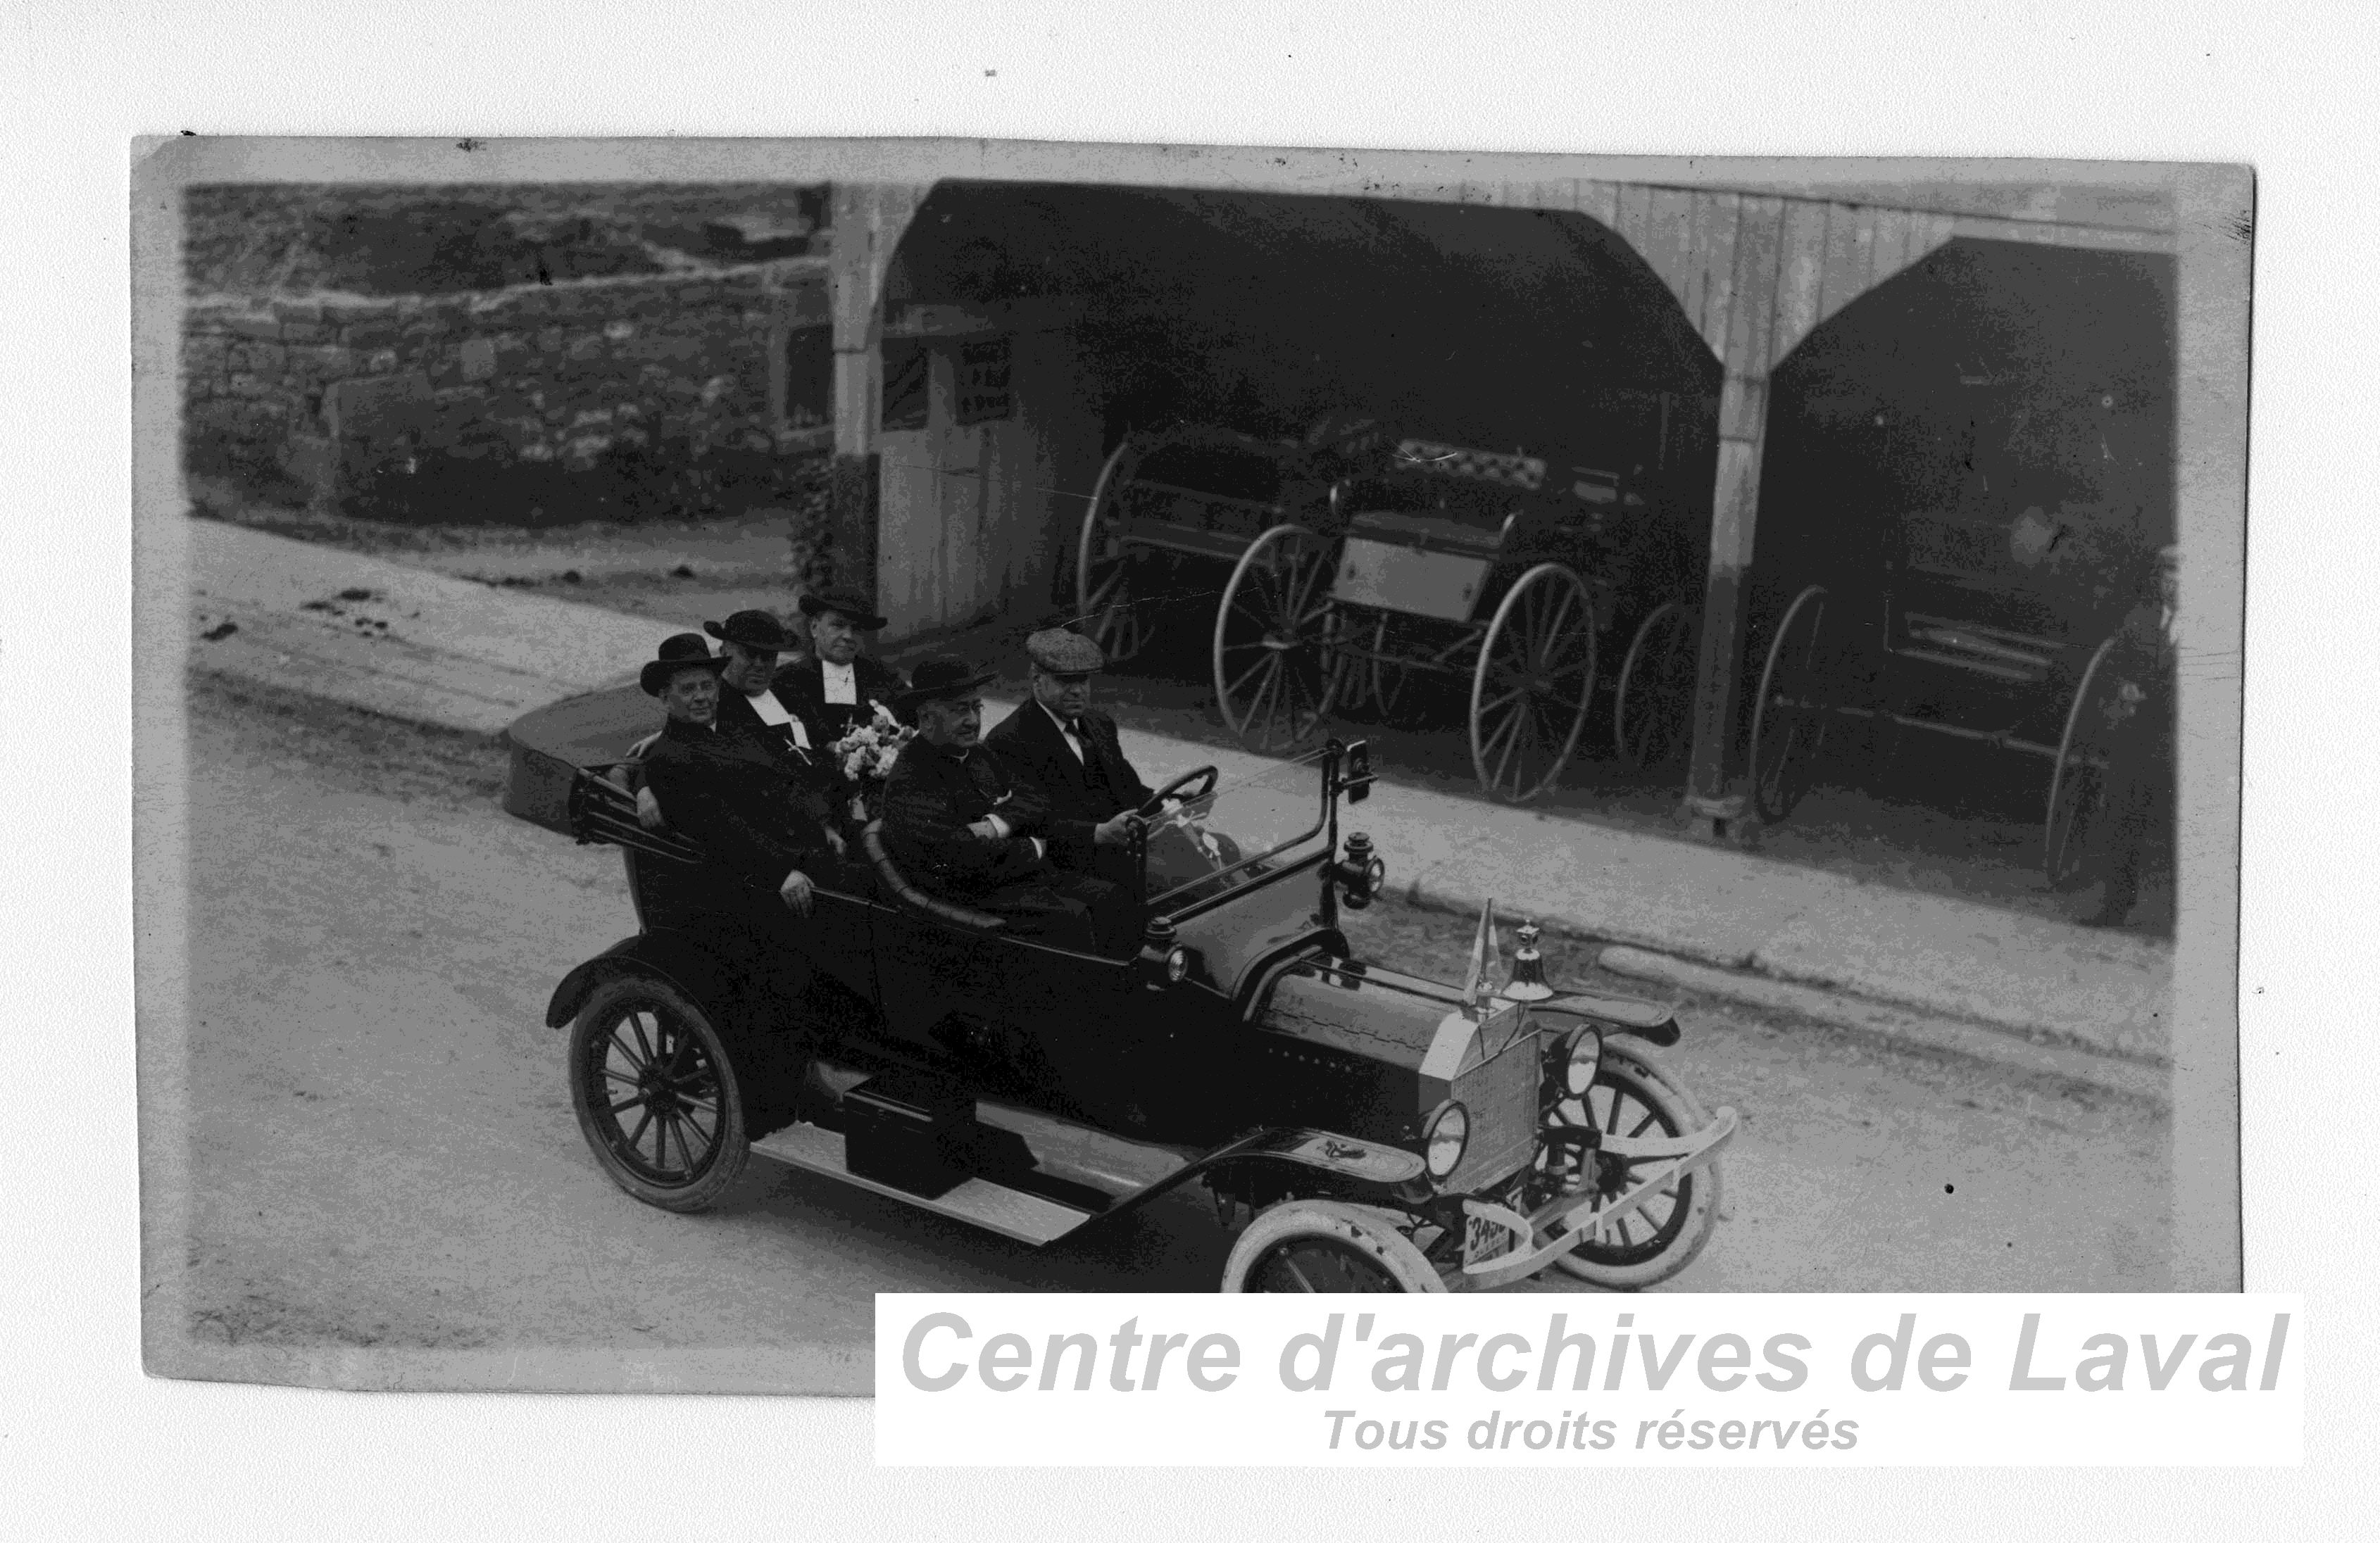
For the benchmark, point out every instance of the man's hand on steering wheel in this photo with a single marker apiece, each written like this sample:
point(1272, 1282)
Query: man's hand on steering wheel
point(1203, 776)
point(1115, 830)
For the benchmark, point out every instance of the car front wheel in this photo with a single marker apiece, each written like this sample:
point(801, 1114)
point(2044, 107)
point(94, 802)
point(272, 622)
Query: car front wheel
point(655, 1095)
point(1322, 1246)
point(1632, 1096)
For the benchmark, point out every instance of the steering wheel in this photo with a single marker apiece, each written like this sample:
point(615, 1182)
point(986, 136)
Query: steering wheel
point(1173, 790)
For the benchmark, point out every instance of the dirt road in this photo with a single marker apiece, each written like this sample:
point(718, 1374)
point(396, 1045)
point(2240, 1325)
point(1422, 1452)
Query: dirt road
point(382, 1157)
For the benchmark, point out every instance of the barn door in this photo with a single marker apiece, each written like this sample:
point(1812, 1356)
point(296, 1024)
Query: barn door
point(958, 442)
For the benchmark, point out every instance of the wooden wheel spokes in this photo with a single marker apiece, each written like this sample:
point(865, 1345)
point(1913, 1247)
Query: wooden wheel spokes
point(1790, 717)
point(1318, 1264)
point(1274, 666)
point(2076, 786)
point(1404, 681)
point(1355, 682)
point(661, 1113)
point(1616, 1111)
point(2072, 826)
point(1103, 598)
point(1655, 698)
point(1532, 683)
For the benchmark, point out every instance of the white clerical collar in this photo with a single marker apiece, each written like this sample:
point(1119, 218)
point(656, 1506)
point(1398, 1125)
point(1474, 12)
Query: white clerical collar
point(772, 714)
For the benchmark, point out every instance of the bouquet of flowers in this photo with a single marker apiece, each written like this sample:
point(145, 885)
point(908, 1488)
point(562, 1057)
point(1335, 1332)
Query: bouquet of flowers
point(866, 755)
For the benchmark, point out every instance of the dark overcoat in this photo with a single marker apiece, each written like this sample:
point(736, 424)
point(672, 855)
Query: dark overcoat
point(1080, 793)
point(758, 815)
point(932, 797)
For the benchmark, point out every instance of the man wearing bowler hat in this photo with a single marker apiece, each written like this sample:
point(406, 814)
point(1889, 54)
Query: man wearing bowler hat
point(750, 705)
point(961, 825)
point(1070, 754)
point(750, 811)
point(751, 700)
point(831, 690)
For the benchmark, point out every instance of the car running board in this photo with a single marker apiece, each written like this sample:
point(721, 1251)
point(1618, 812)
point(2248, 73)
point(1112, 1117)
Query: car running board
point(1107, 1176)
point(995, 1206)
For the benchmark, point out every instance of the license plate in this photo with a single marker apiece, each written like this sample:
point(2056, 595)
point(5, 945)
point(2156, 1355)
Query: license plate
point(1484, 1240)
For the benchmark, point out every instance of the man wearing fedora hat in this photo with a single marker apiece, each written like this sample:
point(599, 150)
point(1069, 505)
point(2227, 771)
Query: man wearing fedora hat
point(1071, 755)
point(751, 707)
point(961, 825)
point(831, 690)
point(755, 817)
point(751, 701)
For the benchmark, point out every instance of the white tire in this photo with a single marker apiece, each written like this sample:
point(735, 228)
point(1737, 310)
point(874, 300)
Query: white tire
point(1324, 1246)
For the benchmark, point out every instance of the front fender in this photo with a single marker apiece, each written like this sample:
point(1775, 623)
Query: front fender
point(1654, 1022)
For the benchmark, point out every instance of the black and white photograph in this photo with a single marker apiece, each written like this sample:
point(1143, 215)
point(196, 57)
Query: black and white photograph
point(717, 708)
point(1020, 717)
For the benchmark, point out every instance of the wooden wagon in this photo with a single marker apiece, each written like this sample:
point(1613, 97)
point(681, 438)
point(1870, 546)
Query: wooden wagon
point(1453, 575)
point(2003, 631)
point(1172, 509)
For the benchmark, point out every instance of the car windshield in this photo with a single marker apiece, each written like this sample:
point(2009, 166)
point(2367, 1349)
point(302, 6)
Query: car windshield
point(1244, 829)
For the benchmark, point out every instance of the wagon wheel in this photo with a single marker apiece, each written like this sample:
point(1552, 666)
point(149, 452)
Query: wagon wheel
point(1273, 663)
point(2077, 783)
point(1104, 568)
point(655, 1095)
point(1360, 685)
point(1789, 723)
point(1355, 682)
point(1322, 1246)
point(1656, 688)
point(1534, 681)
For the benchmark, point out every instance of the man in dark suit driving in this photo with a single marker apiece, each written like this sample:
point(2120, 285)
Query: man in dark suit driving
point(1070, 755)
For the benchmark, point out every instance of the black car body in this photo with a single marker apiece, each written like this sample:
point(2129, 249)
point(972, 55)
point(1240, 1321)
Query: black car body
point(1386, 1131)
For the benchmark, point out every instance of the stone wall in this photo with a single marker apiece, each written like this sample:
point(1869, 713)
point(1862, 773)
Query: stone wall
point(645, 395)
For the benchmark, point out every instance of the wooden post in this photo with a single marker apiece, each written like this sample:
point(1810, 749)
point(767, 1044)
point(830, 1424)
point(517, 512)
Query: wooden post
point(1744, 346)
point(867, 220)
point(1710, 808)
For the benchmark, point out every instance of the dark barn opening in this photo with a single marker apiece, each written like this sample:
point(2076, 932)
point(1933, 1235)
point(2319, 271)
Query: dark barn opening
point(1501, 328)
point(1988, 435)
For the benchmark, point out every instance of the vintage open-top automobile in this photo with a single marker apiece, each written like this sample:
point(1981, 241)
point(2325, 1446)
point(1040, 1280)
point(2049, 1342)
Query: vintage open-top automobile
point(1381, 1131)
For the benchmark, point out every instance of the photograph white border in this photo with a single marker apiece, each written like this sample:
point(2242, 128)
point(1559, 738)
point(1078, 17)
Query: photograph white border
point(2205, 83)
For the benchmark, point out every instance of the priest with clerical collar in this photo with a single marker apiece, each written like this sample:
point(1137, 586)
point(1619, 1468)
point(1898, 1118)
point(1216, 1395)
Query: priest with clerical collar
point(751, 700)
point(960, 826)
point(758, 818)
point(835, 689)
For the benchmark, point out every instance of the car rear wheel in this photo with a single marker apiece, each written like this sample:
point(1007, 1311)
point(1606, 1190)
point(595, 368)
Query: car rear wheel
point(1322, 1246)
point(1633, 1096)
point(655, 1095)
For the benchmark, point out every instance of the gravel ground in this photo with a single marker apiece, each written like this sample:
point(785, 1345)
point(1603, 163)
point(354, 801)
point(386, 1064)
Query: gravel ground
point(382, 1169)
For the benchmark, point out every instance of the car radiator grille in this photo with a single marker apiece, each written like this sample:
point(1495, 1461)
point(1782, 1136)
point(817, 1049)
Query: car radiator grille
point(1501, 1097)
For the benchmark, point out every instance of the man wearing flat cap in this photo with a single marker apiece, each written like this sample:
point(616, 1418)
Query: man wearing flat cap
point(751, 813)
point(830, 691)
point(1070, 754)
point(962, 826)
